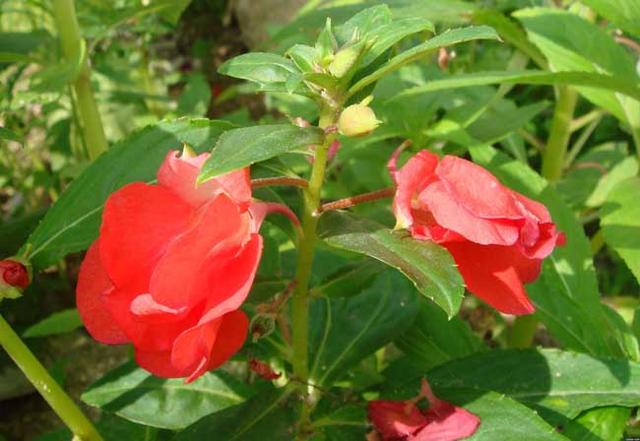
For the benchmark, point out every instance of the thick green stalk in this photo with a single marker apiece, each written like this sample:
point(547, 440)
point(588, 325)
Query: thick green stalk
point(73, 48)
point(59, 401)
point(300, 298)
point(556, 148)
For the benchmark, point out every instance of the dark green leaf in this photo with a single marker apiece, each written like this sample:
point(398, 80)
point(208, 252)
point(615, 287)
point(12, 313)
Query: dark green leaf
point(72, 223)
point(111, 428)
point(132, 393)
point(195, 98)
point(57, 323)
point(552, 381)
point(346, 330)
point(621, 222)
point(344, 424)
point(448, 38)
point(429, 266)
point(239, 148)
point(9, 135)
point(349, 280)
point(268, 415)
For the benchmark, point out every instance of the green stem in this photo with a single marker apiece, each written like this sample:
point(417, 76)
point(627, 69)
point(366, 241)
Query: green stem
point(556, 148)
point(73, 48)
point(523, 331)
point(300, 298)
point(59, 401)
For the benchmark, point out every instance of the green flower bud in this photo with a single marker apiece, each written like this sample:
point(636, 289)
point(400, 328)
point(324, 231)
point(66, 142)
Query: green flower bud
point(357, 120)
point(344, 60)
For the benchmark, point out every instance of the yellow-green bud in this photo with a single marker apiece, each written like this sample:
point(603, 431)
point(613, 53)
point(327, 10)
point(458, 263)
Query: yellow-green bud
point(344, 60)
point(357, 120)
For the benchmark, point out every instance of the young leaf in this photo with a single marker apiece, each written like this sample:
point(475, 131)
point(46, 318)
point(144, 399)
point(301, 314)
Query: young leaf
point(136, 395)
point(57, 323)
point(73, 221)
point(621, 222)
point(429, 266)
point(445, 39)
point(268, 415)
point(346, 330)
point(239, 148)
point(272, 72)
point(566, 294)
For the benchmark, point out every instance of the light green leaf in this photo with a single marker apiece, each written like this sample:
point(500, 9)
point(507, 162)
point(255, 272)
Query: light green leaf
point(57, 323)
point(344, 331)
point(603, 423)
point(242, 147)
point(587, 79)
point(448, 38)
point(73, 221)
point(134, 394)
point(272, 72)
point(626, 169)
point(429, 266)
point(622, 13)
point(620, 220)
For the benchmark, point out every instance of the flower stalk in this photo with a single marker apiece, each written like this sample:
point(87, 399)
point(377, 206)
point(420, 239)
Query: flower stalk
point(59, 401)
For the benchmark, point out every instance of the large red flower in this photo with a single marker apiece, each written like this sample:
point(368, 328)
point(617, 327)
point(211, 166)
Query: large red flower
point(404, 421)
point(497, 236)
point(171, 267)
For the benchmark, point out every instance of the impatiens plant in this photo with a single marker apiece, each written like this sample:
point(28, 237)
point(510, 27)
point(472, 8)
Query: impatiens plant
point(304, 277)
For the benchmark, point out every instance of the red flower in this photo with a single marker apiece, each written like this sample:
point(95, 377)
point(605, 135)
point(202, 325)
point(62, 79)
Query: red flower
point(404, 421)
point(13, 274)
point(497, 236)
point(172, 265)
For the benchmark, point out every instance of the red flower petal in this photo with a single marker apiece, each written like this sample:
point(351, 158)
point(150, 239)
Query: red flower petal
point(395, 420)
point(159, 364)
point(449, 213)
point(218, 225)
point(180, 172)
point(496, 275)
point(138, 223)
point(477, 190)
point(93, 284)
point(410, 180)
point(449, 423)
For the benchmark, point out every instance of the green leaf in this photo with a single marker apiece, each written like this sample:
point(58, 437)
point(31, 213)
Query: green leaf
point(587, 79)
point(195, 98)
point(171, 10)
point(110, 427)
point(599, 424)
point(343, 331)
point(448, 38)
point(557, 383)
point(136, 395)
point(625, 169)
point(566, 294)
point(501, 418)
point(73, 221)
point(429, 266)
point(349, 280)
point(9, 135)
point(272, 72)
point(239, 148)
point(268, 415)
point(434, 339)
point(572, 43)
point(620, 222)
point(625, 14)
point(344, 424)
point(57, 323)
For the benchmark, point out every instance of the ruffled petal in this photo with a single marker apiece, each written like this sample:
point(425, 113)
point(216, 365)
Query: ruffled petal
point(159, 364)
point(395, 419)
point(477, 190)
point(218, 226)
point(490, 272)
point(138, 223)
point(93, 285)
point(452, 215)
point(179, 173)
point(414, 176)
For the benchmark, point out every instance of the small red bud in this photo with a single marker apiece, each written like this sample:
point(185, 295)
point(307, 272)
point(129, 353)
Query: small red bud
point(263, 369)
point(14, 273)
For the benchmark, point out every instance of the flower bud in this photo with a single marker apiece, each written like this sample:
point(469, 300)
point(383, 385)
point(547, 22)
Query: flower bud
point(263, 370)
point(14, 277)
point(344, 60)
point(357, 120)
